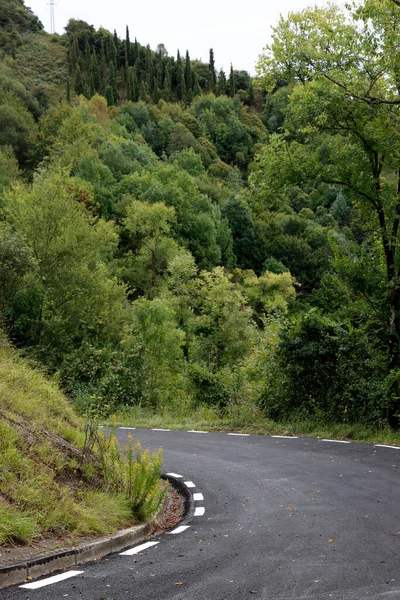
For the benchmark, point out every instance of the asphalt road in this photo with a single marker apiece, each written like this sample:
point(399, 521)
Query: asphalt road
point(285, 519)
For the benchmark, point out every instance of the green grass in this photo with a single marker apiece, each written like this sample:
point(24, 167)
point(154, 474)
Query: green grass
point(44, 489)
point(247, 418)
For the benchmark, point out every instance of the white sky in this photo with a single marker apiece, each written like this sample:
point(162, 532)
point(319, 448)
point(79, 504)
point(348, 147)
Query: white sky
point(236, 30)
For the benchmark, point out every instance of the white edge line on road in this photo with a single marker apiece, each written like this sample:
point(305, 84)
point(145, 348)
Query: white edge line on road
point(50, 580)
point(286, 437)
point(242, 434)
point(385, 446)
point(336, 441)
point(126, 427)
point(198, 497)
point(160, 429)
point(189, 484)
point(138, 549)
point(179, 529)
point(195, 431)
point(199, 512)
point(175, 475)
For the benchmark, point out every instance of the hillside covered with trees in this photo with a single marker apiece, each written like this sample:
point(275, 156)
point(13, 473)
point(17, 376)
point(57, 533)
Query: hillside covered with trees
point(180, 239)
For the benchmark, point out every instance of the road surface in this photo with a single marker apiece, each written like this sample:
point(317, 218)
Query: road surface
point(276, 519)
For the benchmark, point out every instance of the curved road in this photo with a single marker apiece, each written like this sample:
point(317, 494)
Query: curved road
point(285, 519)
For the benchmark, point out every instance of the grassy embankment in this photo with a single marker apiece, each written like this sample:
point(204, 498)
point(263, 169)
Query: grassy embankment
point(48, 485)
point(249, 419)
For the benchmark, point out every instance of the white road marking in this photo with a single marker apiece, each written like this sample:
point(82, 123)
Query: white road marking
point(337, 441)
point(242, 434)
point(286, 437)
point(50, 580)
point(126, 427)
point(175, 475)
point(385, 446)
point(138, 549)
point(198, 497)
point(199, 512)
point(160, 429)
point(179, 529)
point(189, 484)
point(195, 431)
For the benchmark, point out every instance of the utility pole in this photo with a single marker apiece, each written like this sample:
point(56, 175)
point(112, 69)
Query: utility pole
point(52, 17)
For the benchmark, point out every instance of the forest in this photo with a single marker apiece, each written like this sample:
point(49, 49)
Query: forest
point(181, 241)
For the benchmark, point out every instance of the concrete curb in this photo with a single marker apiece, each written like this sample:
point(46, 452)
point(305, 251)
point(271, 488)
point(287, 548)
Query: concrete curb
point(72, 557)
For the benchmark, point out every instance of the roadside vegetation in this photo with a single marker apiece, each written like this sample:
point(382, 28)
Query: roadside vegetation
point(56, 478)
point(188, 247)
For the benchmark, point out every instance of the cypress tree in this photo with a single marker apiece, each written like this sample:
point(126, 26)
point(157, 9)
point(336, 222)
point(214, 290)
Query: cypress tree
point(135, 84)
point(135, 52)
point(112, 53)
point(80, 83)
point(127, 49)
point(188, 72)
point(196, 86)
point(232, 86)
point(178, 76)
point(113, 82)
point(68, 90)
point(212, 76)
point(182, 89)
point(144, 95)
point(109, 96)
point(221, 85)
point(149, 74)
point(167, 87)
point(160, 70)
point(94, 73)
point(75, 54)
point(117, 45)
point(87, 56)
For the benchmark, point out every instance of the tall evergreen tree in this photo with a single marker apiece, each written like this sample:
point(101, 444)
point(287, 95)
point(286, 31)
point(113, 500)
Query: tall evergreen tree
point(196, 86)
point(188, 78)
point(232, 86)
point(167, 87)
point(80, 83)
point(128, 59)
point(212, 75)
point(179, 76)
point(135, 54)
point(109, 95)
point(68, 90)
point(221, 85)
point(95, 79)
point(149, 71)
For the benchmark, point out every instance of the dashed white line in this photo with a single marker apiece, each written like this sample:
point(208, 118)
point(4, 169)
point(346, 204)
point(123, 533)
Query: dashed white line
point(385, 446)
point(197, 497)
point(337, 441)
point(126, 427)
point(199, 511)
point(160, 430)
point(286, 437)
point(179, 529)
point(175, 475)
point(138, 549)
point(55, 579)
point(241, 434)
point(195, 431)
point(189, 484)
